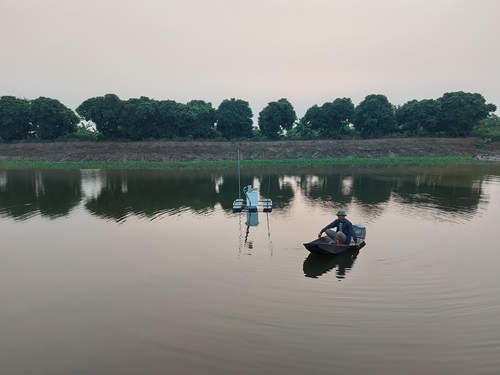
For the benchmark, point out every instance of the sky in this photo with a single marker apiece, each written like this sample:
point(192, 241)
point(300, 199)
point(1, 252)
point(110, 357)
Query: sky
point(309, 52)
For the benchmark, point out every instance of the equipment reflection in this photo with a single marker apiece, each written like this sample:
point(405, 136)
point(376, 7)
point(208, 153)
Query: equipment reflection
point(252, 220)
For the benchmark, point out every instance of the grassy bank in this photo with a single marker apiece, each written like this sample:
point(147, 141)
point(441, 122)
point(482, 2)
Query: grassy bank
point(194, 165)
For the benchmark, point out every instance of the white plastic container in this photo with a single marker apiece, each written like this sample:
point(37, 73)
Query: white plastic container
point(252, 195)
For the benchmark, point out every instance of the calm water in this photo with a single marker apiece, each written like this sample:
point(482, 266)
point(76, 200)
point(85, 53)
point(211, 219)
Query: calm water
point(149, 272)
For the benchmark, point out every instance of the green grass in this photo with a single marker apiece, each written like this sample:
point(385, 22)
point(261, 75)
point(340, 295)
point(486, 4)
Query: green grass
point(194, 165)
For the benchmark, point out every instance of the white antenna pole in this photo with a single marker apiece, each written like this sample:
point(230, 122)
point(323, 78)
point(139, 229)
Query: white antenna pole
point(239, 178)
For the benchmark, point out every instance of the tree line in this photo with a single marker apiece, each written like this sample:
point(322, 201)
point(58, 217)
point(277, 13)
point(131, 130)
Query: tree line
point(454, 114)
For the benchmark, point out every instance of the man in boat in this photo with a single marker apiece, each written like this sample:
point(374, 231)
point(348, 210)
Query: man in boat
point(345, 231)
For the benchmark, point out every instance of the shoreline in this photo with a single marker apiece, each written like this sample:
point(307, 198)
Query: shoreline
point(156, 154)
point(250, 164)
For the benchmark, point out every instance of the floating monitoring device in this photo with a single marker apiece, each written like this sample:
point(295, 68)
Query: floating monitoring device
point(251, 201)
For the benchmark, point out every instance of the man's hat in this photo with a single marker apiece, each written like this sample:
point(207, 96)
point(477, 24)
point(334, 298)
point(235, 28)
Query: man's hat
point(341, 213)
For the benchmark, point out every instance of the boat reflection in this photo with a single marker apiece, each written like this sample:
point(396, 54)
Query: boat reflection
point(316, 265)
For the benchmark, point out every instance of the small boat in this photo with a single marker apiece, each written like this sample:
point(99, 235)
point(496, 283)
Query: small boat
point(324, 245)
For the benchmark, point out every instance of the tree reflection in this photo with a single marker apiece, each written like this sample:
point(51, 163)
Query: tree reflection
point(229, 189)
point(50, 193)
point(279, 188)
point(458, 193)
point(59, 193)
point(370, 190)
point(447, 192)
point(18, 197)
point(327, 189)
point(154, 193)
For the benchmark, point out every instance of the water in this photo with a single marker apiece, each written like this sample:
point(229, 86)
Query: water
point(149, 272)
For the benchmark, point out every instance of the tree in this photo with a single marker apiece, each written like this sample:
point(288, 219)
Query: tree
point(52, 119)
point(201, 119)
point(277, 117)
point(489, 128)
point(234, 119)
point(332, 118)
point(415, 116)
point(15, 120)
point(145, 118)
point(460, 111)
point(140, 118)
point(341, 113)
point(169, 114)
point(302, 131)
point(375, 117)
point(313, 118)
point(105, 112)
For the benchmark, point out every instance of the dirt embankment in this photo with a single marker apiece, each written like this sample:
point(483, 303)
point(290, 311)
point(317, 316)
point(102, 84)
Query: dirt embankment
point(191, 151)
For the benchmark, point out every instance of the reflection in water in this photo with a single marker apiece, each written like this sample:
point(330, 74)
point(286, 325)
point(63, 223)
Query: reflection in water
point(448, 193)
point(316, 265)
point(252, 220)
point(50, 193)
point(152, 194)
point(169, 286)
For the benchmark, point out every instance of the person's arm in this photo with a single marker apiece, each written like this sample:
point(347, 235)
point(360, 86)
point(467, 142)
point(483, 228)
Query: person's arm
point(333, 224)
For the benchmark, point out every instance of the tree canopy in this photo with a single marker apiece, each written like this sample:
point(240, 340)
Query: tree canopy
point(276, 118)
point(234, 119)
point(375, 116)
point(454, 114)
point(332, 118)
point(460, 111)
point(105, 112)
point(52, 119)
point(15, 118)
point(416, 116)
point(145, 118)
point(199, 120)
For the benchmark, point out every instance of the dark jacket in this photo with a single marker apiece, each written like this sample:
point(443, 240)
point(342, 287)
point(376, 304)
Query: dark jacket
point(347, 229)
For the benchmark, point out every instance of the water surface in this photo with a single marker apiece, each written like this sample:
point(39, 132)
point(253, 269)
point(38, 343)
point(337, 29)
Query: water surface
point(150, 272)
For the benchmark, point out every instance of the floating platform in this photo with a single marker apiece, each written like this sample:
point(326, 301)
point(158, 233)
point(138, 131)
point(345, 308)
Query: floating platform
point(267, 205)
point(239, 205)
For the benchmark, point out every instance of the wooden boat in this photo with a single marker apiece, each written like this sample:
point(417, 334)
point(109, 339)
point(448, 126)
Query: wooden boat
point(324, 245)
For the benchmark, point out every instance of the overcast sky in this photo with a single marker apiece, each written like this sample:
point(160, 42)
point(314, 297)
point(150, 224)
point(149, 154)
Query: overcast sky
point(309, 52)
